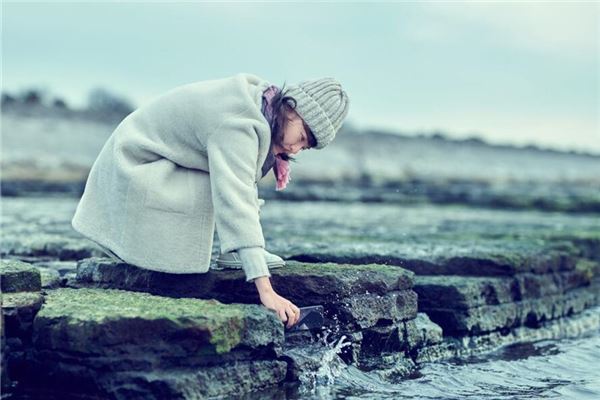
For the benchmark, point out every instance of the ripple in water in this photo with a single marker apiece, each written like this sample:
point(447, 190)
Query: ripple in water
point(549, 369)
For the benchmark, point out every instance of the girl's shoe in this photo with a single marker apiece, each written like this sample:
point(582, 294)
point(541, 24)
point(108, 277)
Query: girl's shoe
point(232, 260)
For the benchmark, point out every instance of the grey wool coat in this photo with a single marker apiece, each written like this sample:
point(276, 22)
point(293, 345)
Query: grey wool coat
point(172, 169)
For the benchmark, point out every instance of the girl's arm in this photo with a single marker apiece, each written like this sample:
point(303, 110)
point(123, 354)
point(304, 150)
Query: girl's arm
point(263, 284)
point(256, 269)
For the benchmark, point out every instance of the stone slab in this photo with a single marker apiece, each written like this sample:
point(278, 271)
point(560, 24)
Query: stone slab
point(18, 276)
point(117, 323)
point(529, 312)
point(467, 292)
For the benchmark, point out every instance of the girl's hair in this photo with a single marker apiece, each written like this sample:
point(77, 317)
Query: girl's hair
point(281, 103)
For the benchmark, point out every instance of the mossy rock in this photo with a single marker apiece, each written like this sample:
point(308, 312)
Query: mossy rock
point(18, 312)
point(19, 276)
point(103, 321)
point(306, 283)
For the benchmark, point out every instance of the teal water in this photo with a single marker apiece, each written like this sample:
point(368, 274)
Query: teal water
point(549, 369)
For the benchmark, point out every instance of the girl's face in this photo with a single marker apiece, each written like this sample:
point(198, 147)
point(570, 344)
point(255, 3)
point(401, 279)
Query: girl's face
point(295, 135)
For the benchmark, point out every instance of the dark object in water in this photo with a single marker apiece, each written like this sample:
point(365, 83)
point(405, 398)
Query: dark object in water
point(310, 318)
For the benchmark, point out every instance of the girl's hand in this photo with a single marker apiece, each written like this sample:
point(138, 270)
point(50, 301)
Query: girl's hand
point(286, 310)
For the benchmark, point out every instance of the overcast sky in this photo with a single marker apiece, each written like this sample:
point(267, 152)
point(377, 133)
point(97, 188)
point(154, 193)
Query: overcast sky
point(509, 72)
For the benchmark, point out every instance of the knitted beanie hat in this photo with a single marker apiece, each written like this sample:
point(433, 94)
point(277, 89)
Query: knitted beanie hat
point(323, 105)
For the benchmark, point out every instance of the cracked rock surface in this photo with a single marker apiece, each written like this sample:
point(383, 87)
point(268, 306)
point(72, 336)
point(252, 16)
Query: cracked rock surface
point(404, 285)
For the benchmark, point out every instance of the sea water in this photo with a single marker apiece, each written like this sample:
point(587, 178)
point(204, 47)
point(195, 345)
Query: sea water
point(547, 369)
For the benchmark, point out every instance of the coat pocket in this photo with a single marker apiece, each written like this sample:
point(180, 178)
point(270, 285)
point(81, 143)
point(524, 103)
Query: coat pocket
point(168, 187)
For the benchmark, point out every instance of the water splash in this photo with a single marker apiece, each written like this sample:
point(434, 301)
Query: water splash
point(331, 366)
point(325, 353)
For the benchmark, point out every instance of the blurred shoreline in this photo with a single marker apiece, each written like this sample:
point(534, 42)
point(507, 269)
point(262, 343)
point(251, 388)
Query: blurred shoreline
point(46, 153)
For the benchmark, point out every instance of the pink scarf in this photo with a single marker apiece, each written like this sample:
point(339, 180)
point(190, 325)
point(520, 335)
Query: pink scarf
point(282, 167)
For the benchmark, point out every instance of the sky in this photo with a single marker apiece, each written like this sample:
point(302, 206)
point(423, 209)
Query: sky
point(508, 72)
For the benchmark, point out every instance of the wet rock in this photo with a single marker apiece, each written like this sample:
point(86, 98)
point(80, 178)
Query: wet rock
point(208, 382)
point(371, 309)
point(5, 382)
point(318, 282)
point(328, 281)
point(108, 342)
point(468, 292)
point(355, 296)
point(486, 277)
point(50, 278)
point(487, 258)
point(383, 339)
point(466, 346)
point(300, 337)
point(474, 305)
point(447, 349)
point(20, 300)
point(422, 332)
point(73, 320)
point(305, 362)
point(18, 276)
point(19, 310)
point(47, 245)
point(390, 367)
point(402, 337)
point(506, 316)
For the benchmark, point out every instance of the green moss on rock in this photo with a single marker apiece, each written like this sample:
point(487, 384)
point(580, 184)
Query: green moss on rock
point(20, 299)
point(19, 276)
point(79, 318)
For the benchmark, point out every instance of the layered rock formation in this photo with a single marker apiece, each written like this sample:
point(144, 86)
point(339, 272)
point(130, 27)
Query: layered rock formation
point(399, 288)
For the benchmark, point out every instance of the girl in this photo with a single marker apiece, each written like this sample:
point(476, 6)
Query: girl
point(191, 158)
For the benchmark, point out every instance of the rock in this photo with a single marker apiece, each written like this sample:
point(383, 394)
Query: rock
point(486, 258)
point(305, 361)
point(466, 292)
point(51, 246)
point(107, 321)
point(368, 310)
point(445, 350)
point(110, 342)
point(18, 310)
point(5, 382)
point(466, 346)
point(50, 278)
point(208, 382)
point(352, 295)
point(506, 316)
point(323, 282)
point(18, 276)
point(382, 339)
point(422, 332)
point(401, 337)
point(484, 276)
point(389, 367)
point(305, 282)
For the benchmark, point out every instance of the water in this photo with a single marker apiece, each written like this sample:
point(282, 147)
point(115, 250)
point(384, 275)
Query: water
point(548, 369)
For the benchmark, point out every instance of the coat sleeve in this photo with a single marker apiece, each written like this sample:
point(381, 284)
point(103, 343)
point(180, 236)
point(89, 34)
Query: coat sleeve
point(232, 160)
point(253, 262)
